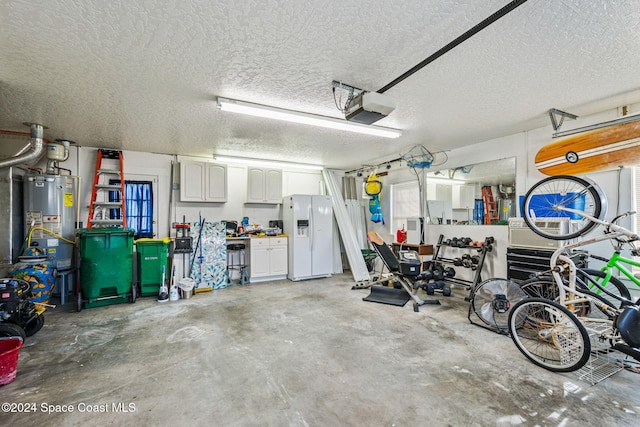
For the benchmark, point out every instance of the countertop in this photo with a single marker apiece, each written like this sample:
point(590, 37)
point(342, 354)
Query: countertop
point(254, 237)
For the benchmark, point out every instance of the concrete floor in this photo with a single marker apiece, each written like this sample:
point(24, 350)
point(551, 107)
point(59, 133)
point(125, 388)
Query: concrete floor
point(295, 354)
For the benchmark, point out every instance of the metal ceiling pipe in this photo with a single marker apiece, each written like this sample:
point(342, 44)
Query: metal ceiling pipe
point(36, 148)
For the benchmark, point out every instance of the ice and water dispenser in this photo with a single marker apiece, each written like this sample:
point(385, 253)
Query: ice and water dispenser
point(302, 226)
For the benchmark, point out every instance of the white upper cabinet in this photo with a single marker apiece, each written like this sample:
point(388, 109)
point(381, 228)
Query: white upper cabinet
point(264, 185)
point(463, 196)
point(202, 182)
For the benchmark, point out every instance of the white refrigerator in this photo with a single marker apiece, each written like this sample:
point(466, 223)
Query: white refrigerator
point(308, 222)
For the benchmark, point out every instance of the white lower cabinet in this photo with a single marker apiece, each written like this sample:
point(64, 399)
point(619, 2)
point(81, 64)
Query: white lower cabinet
point(268, 258)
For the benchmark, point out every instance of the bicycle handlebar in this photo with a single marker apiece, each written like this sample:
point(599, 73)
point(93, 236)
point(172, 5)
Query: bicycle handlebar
point(621, 216)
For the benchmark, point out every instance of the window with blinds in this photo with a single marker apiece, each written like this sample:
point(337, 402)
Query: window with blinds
point(405, 203)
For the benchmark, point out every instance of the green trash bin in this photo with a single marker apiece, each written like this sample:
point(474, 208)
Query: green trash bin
point(153, 256)
point(106, 266)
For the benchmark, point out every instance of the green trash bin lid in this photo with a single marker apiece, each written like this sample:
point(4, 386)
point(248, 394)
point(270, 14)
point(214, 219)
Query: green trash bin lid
point(148, 241)
point(105, 230)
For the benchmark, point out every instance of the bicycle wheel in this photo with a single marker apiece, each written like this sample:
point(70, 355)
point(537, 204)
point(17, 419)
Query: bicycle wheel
point(545, 200)
point(541, 287)
point(549, 335)
point(547, 288)
point(613, 286)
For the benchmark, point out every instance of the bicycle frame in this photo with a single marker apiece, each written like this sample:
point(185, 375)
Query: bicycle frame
point(569, 295)
point(571, 313)
point(617, 262)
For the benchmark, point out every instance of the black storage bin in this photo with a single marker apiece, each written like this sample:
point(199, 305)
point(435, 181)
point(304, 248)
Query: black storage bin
point(409, 263)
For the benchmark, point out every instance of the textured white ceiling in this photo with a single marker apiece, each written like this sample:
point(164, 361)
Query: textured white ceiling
point(144, 75)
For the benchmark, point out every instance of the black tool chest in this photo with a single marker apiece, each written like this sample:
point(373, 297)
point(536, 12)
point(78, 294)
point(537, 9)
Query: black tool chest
point(522, 263)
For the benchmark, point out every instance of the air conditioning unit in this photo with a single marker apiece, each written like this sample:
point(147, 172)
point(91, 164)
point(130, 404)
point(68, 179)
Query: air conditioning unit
point(521, 236)
point(415, 231)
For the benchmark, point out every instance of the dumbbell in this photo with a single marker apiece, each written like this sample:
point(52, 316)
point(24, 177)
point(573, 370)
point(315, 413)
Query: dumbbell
point(466, 241)
point(449, 272)
point(475, 259)
point(431, 287)
point(457, 262)
point(438, 272)
point(426, 275)
point(442, 286)
point(466, 263)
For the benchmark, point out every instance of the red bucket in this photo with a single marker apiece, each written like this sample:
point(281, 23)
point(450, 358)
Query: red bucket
point(9, 351)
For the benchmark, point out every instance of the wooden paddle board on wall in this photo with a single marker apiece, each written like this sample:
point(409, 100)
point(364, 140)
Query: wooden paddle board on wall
point(596, 150)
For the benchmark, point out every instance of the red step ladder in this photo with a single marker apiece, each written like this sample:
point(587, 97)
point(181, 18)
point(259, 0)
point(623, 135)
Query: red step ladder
point(490, 209)
point(101, 210)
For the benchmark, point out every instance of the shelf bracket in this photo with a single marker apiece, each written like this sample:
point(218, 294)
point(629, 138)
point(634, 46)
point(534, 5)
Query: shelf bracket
point(553, 113)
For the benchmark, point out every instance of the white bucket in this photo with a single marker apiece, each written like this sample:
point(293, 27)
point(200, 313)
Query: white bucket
point(186, 285)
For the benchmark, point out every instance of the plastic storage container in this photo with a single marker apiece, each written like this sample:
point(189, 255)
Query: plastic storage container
point(9, 352)
point(106, 266)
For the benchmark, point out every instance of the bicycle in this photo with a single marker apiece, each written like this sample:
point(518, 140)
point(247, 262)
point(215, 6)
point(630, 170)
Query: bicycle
point(546, 197)
point(553, 328)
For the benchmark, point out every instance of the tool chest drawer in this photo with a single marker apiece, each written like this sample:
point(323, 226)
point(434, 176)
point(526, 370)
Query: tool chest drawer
point(523, 263)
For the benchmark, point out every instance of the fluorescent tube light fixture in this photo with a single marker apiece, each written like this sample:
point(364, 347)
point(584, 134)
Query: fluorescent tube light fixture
point(445, 180)
point(304, 118)
point(266, 163)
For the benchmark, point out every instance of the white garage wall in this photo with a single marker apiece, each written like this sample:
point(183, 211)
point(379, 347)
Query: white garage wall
point(523, 146)
point(617, 185)
point(158, 167)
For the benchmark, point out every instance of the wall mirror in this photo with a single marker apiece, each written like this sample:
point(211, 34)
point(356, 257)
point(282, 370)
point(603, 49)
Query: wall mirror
point(455, 195)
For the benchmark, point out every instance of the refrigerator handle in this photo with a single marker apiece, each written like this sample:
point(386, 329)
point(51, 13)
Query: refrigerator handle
point(311, 225)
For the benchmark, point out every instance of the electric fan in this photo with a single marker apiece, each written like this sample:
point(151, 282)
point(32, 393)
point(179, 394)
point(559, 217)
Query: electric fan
point(492, 300)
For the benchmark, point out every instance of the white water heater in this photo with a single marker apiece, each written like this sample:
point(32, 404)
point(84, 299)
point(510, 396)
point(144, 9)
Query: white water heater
point(50, 215)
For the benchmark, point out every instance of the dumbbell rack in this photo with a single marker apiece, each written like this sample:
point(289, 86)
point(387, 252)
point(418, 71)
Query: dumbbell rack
point(477, 277)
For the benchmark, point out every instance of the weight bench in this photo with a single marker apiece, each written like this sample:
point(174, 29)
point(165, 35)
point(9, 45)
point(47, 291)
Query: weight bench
point(405, 272)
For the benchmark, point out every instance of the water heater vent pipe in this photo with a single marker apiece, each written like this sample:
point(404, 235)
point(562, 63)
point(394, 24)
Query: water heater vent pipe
point(35, 149)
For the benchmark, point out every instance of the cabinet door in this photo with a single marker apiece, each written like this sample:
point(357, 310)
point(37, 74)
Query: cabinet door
point(216, 183)
point(468, 196)
point(260, 258)
point(279, 256)
point(444, 192)
point(273, 187)
point(255, 185)
point(191, 181)
point(463, 196)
